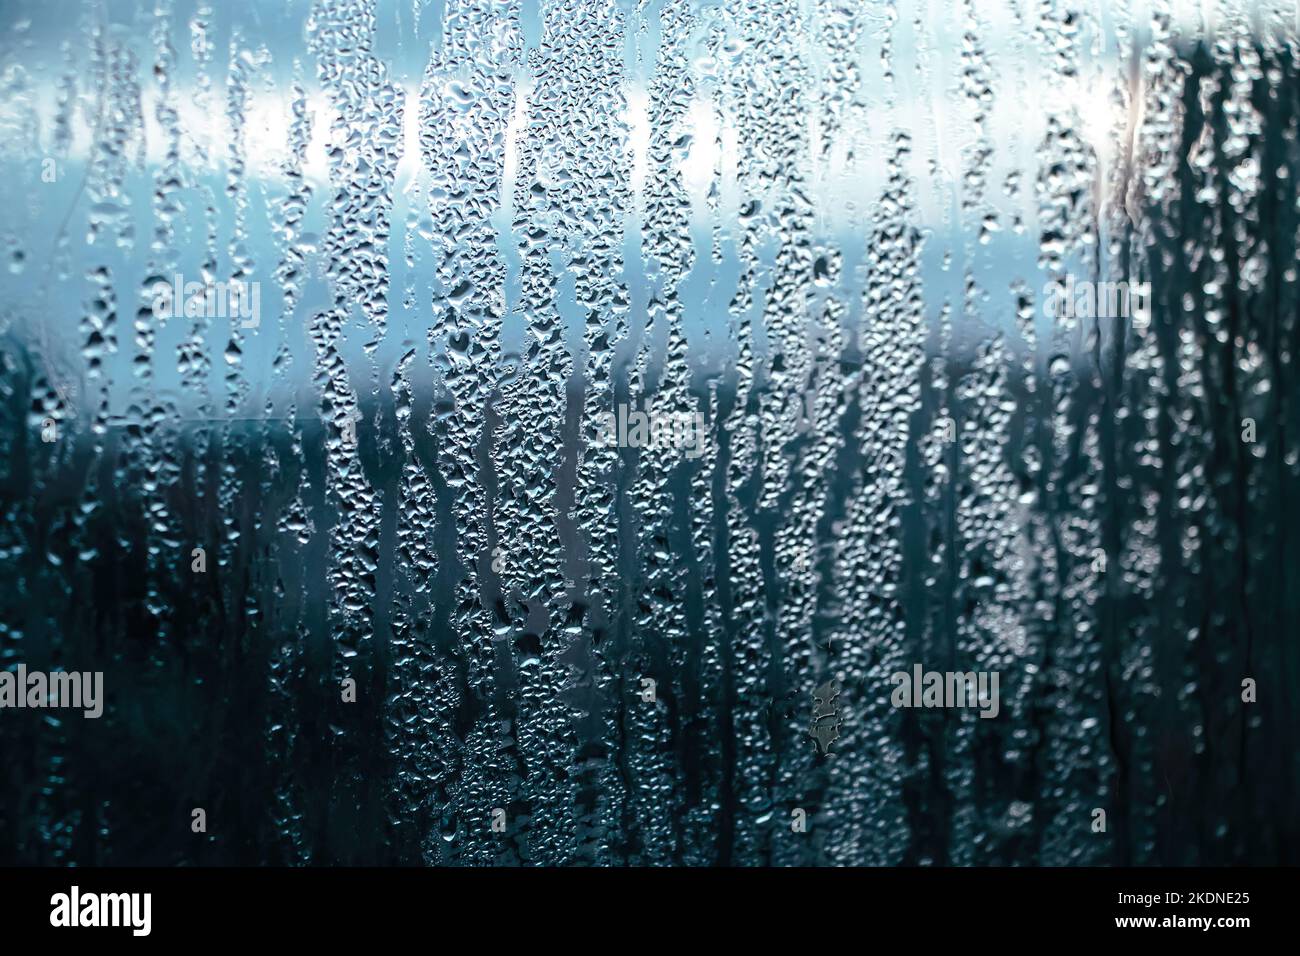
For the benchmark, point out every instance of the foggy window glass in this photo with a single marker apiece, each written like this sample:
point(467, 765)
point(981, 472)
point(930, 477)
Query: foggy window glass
point(598, 432)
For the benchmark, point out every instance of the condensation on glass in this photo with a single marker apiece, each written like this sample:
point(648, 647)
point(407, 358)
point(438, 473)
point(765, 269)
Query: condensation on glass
point(507, 432)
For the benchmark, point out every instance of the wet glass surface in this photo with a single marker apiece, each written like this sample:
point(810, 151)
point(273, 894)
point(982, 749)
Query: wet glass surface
point(497, 432)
